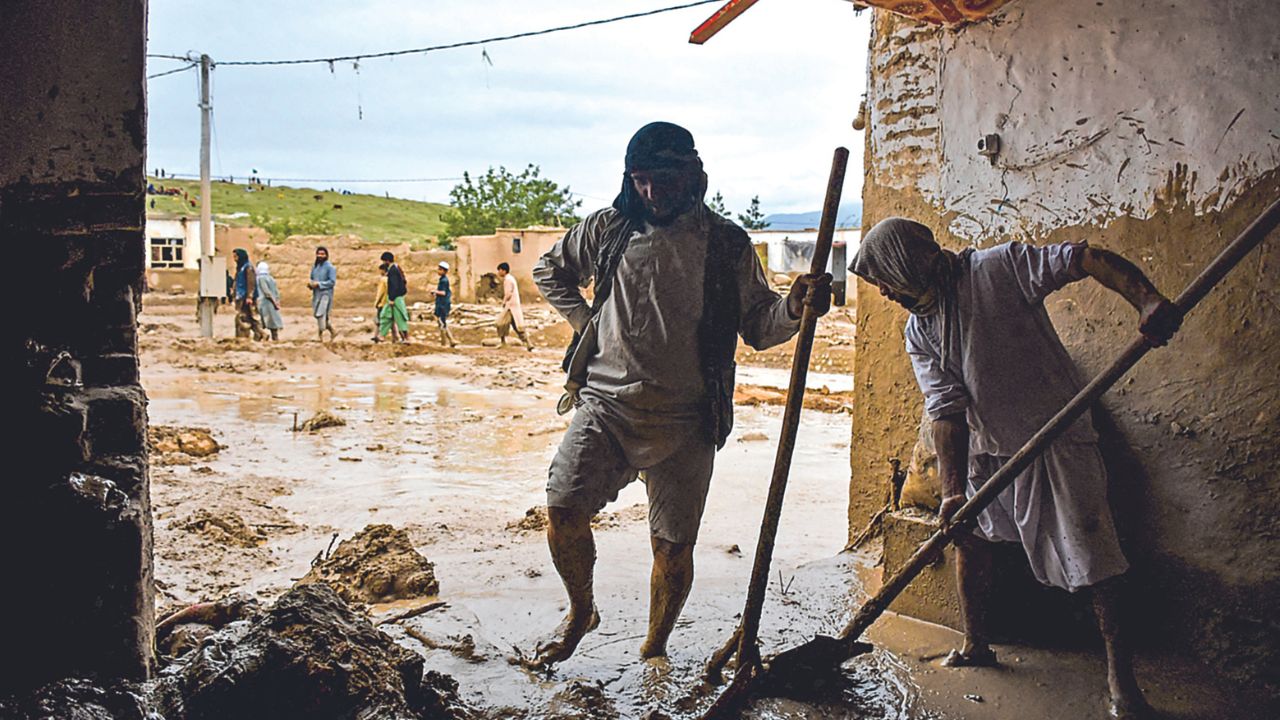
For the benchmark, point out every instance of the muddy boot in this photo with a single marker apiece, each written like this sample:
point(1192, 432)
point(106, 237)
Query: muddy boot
point(275, 334)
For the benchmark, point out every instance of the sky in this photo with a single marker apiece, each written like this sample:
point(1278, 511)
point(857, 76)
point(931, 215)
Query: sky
point(767, 100)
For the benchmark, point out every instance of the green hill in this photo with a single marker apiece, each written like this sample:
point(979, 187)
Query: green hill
point(375, 218)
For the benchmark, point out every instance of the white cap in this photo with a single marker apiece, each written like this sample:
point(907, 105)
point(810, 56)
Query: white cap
point(443, 265)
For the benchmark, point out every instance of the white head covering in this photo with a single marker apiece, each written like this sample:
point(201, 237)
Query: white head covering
point(263, 268)
point(443, 265)
point(902, 255)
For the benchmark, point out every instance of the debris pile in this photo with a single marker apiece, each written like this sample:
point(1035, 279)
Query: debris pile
point(310, 656)
point(81, 700)
point(377, 565)
point(173, 445)
point(821, 399)
point(534, 520)
point(224, 528)
point(321, 420)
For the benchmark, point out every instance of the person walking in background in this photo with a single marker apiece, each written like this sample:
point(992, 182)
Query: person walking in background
point(512, 317)
point(246, 293)
point(324, 278)
point(393, 316)
point(269, 300)
point(444, 303)
point(379, 301)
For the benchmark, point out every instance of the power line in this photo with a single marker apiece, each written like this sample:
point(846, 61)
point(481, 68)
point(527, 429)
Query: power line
point(451, 46)
point(171, 72)
point(331, 180)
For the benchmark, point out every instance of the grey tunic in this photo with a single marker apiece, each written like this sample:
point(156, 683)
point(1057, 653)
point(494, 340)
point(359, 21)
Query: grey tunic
point(1009, 373)
point(639, 354)
point(269, 302)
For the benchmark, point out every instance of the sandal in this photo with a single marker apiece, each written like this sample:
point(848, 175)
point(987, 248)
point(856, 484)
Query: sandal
point(985, 657)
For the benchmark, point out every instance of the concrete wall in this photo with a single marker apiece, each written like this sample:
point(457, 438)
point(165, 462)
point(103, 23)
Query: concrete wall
point(1152, 129)
point(479, 255)
point(77, 530)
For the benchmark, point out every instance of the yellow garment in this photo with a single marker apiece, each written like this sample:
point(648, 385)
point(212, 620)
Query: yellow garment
point(381, 299)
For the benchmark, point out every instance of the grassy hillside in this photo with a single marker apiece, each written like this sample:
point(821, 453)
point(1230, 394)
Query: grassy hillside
point(373, 217)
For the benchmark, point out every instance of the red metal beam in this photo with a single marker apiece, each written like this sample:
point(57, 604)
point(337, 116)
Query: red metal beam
point(716, 22)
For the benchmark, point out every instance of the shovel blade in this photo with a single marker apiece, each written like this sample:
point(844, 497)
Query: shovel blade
point(810, 666)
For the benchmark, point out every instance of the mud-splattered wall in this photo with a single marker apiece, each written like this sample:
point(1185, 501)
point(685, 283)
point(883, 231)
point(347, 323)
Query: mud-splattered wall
point(78, 597)
point(1152, 129)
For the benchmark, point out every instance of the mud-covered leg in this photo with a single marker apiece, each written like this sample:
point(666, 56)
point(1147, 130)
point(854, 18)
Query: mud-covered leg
point(573, 551)
point(669, 587)
point(973, 579)
point(1127, 702)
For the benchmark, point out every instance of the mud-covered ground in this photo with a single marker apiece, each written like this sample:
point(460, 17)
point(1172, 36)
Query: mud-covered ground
point(452, 447)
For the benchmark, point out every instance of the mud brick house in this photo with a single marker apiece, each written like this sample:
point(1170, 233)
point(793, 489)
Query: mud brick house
point(1152, 129)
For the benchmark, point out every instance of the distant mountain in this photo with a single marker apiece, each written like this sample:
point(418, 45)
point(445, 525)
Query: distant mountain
point(850, 217)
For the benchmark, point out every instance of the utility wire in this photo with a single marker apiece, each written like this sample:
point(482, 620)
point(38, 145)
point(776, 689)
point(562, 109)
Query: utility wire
point(451, 46)
point(186, 58)
point(170, 72)
point(181, 176)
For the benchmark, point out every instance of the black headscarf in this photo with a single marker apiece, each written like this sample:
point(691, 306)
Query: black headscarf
point(242, 256)
point(319, 262)
point(657, 146)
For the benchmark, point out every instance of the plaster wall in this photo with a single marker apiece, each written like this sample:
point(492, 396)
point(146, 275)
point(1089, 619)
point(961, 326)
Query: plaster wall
point(1152, 129)
point(479, 255)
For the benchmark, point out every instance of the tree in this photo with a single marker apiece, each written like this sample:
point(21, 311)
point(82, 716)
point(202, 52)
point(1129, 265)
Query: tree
point(753, 219)
point(717, 205)
point(501, 199)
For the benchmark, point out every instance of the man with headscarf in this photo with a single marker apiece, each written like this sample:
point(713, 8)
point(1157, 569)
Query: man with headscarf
point(246, 293)
point(651, 369)
point(324, 278)
point(269, 300)
point(993, 371)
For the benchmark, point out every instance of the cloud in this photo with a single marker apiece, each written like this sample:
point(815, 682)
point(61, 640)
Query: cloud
point(767, 99)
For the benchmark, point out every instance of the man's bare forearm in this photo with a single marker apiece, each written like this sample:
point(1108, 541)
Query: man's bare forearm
point(951, 442)
point(1118, 274)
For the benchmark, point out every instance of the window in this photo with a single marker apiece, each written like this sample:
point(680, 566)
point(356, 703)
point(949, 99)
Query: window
point(167, 252)
point(515, 245)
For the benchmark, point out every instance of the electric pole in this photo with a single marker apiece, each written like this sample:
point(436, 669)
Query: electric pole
point(212, 284)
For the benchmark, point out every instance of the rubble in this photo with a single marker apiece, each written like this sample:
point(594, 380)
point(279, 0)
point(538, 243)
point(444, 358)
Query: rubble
point(321, 420)
point(310, 656)
point(225, 528)
point(376, 565)
point(174, 445)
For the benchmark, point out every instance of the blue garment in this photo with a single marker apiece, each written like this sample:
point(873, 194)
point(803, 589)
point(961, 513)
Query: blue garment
point(242, 282)
point(325, 275)
point(444, 303)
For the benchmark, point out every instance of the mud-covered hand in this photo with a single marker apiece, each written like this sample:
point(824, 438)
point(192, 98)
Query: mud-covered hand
point(819, 299)
point(948, 509)
point(1159, 320)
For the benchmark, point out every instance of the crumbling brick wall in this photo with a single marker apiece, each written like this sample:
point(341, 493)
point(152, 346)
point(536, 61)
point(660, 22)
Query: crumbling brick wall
point(78, 592)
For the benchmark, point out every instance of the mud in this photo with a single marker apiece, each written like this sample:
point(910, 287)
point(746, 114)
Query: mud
point(173, 445)
point(321, 420)
point(81, 699)
point(821, 399)
point(224, 528)
point(454, 447)
point(377, 565)
point(311, 655)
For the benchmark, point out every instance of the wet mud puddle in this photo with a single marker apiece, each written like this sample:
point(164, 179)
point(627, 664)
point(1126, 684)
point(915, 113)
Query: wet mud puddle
point(457, 463)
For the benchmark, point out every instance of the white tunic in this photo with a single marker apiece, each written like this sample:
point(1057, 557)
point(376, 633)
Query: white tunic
point(1009, 373)
point(511, 300)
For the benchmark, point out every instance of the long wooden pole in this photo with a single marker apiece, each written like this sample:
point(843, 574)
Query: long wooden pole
point(748, 629)
point(788, 663)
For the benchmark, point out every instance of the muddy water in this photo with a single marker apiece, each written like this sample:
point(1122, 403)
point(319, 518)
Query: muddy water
point(455, 461)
